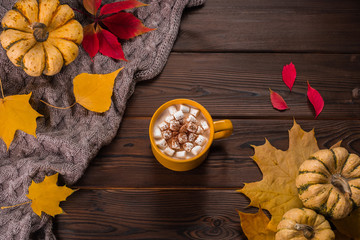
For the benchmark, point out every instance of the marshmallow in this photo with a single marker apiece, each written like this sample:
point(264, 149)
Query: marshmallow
point(180, 154)
point(204, 125)
point(174, 143)
point(169, 118)
point(194, 112)
point(183, 138)
point(161, 144)
point(175, 125)
point(188, 146)
point(163, 126)
point(192, 137)
point(179, 115)
point(196, 150)
point(184, 108)
point(172, 110)
point(183, 129)
point(167, 134)
point(191, 118)
point(157, 133)
point(201, 140)
point(199, 130)
point(169, 151)
point(191, 127)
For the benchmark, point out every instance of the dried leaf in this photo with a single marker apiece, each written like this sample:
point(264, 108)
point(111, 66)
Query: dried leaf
point(349, 226)
point(109, 45)
point(289, 75)
point(277, 101)
point(254, 226)
point(94, 91)
point(120, 6)
point(90, 42)
point(125, 25)
point(277, 191)
point(92, 6)
point(316, 100)
point(117, 24)
point(46, 196)
point(16, 114)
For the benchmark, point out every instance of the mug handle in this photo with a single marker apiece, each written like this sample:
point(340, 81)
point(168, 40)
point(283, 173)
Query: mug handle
point(222, 128)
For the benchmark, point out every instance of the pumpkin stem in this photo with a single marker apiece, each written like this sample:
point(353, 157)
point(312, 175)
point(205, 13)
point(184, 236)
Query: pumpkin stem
point(307, 230)
point(40, 32)
point(339, 182)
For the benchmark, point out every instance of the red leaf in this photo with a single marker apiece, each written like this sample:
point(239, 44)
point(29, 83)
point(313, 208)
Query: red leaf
point(119, 6)
point(316, 100)
point(125, 25)
point(289, 75)
point(90, 42)
point(92, 6)
point(277, 101)
point(109, 45)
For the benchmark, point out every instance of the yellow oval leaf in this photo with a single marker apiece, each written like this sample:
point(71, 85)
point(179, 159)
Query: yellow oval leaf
point(16, 114)
point(94, 91)
point(47, 195)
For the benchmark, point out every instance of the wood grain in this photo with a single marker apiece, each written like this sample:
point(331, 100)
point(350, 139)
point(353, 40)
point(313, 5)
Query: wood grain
point(128, 162)
point(237, 85)
point(152, 214)
point(272, 26)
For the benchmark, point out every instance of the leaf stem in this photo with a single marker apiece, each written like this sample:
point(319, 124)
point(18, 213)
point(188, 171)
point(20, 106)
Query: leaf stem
point(56, 106)
point(2, 90)
point(15, 205)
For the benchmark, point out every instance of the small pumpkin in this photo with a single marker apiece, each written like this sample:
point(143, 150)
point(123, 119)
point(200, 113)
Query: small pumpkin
point(303, 224)
point(41, 36)
point(329, 182)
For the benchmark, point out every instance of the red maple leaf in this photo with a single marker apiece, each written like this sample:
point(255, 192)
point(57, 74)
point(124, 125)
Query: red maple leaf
point(109, 25)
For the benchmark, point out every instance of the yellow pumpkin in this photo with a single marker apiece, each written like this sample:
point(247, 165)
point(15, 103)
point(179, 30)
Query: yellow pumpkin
point(329, 182)
point(303, 224)
point(41, 36)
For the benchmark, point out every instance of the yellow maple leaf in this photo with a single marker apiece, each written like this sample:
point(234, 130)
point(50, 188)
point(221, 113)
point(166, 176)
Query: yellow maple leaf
point(16, 114)
point(47, 195)
point(94, 91)
point(254, 226)
point(277, 191)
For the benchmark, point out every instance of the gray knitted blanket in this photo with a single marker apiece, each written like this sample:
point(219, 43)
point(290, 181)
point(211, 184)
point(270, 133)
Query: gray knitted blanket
point(68, 139)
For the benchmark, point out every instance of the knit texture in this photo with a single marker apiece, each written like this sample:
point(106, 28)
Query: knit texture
point(68, 139)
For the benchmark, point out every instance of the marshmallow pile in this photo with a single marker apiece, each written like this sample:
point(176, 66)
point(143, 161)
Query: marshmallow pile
point(181, 134)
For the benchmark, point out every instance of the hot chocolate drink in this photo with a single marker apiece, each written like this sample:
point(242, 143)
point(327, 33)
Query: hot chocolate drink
point(181, 131)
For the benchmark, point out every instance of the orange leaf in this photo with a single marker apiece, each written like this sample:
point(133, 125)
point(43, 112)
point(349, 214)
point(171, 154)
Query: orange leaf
point(254, 226)
point(16, 114)
point(47, 195)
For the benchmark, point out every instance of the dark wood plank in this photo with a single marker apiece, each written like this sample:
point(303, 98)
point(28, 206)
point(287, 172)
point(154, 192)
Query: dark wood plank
point(128, 162)
point(237, 85)
point(151, 214)
point(268, 26)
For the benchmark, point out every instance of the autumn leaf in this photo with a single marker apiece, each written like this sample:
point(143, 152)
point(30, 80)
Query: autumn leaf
point(277, 191)
point(277, 101)
point(316, 100)
point(16, 114)
point(349, 226)
point(94, 91)
point(289, 75)
point(111, 24)
point(254, 226)
point(47, 195)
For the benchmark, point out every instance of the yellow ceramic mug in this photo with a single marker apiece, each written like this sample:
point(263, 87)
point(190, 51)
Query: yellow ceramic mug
point(218, 129)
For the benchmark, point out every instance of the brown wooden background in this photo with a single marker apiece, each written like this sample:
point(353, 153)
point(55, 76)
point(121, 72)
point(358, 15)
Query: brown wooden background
point(228, 53)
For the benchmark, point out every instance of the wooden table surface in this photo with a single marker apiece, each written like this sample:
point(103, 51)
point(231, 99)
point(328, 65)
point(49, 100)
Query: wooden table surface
point(227, 56)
